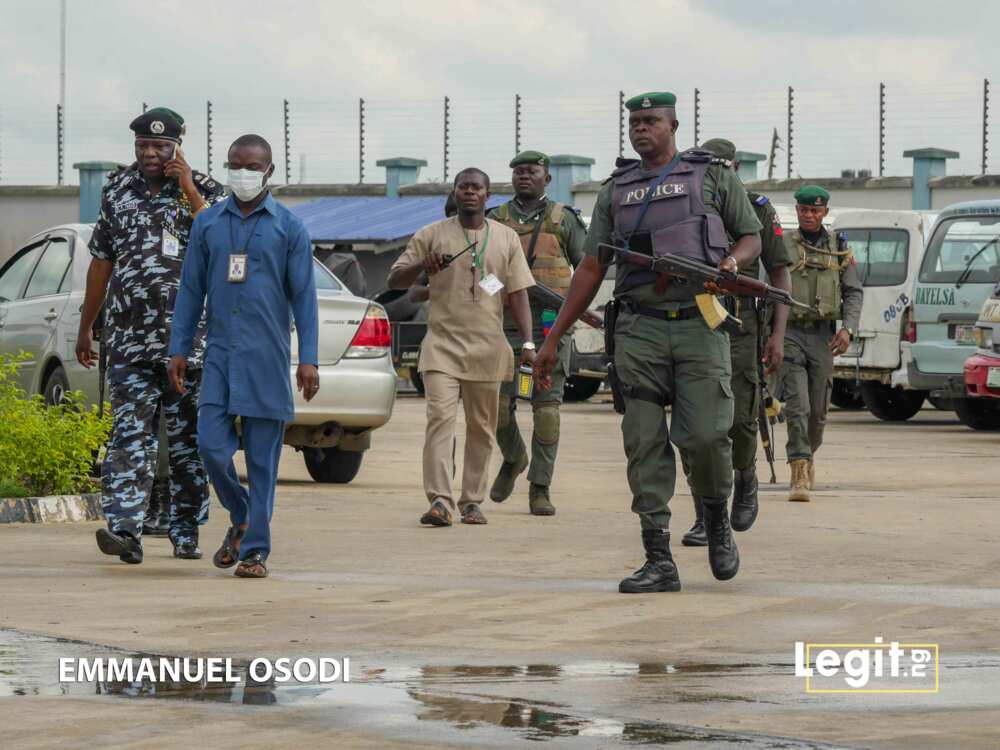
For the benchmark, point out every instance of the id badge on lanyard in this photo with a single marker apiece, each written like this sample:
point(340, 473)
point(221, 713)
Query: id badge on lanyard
point(238, 265)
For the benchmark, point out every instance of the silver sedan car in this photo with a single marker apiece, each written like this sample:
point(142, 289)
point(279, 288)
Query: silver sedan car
point(41, 293)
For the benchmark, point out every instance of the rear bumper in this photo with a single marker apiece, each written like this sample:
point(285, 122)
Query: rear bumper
point(357, 394)
point(944, 385)
point(976, 371)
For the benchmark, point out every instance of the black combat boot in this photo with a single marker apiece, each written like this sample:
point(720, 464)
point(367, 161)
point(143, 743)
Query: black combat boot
point(659, 573)
point(745, 504)
point(128, 548)
point(157, 519)
point(697, 536)
point(723, 555)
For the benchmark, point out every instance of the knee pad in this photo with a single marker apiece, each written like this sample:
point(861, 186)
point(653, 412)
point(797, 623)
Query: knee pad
point(547, 424)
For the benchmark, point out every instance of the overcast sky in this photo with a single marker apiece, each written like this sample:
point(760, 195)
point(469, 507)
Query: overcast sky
point(568, 60)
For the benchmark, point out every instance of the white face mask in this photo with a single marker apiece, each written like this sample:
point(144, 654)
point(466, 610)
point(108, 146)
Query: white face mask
point(246, 184)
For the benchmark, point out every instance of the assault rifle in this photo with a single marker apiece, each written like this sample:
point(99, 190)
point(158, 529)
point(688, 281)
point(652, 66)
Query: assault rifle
point(552, 299)
point(765, 399)
point(692, 271)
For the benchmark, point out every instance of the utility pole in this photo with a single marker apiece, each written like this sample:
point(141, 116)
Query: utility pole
point(62, 54)
point(773, 155)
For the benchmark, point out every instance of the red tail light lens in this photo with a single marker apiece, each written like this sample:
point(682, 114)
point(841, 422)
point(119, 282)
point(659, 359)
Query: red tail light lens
point(373, 337)
point(909, 326)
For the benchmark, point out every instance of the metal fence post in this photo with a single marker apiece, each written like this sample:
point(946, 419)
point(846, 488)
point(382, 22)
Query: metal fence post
point(788, 140)
point(144, 107)
point(288, 144)
point(60, 144)
point(446, 132)
point(361, 140)
point(621, 124)
point(517, 124)
point(986, 122)
point(881, 129)
point(208, 135)
point(697, 117)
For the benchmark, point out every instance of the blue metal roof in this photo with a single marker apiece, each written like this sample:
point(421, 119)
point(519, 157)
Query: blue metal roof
point(373, 219)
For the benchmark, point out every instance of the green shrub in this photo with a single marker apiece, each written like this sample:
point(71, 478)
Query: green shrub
point(46, 450)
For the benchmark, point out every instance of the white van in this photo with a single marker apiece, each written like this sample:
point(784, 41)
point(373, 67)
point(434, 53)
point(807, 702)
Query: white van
point(888, 247)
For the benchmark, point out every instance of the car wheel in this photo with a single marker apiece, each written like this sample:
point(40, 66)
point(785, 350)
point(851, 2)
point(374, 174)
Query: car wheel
point(979, 414)
point(891, 404)
point(416, 380)
point(56, 387)
point(846, 395)
point(579, 388)
point(332, 465)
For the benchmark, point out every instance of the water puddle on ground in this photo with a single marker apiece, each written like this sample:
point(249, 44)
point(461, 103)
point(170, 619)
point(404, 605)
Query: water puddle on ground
point(447, 704)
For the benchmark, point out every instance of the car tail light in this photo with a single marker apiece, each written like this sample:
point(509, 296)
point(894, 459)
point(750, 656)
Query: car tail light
point(373, 337)
point(909, 326)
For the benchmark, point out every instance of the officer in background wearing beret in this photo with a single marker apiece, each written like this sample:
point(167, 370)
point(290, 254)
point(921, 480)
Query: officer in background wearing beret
point(825, 273)
point(664, 351)
point(553, 236)
point(743, 349)
point(138, 246)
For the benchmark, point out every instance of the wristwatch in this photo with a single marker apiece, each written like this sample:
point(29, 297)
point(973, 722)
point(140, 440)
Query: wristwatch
point(528, 345)
point(735, 263)
point(850, 332)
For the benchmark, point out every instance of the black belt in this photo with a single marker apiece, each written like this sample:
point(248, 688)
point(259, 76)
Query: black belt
point(685, 313)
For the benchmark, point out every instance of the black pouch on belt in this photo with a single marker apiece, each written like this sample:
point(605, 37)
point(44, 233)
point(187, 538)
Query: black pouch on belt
point(610, 319)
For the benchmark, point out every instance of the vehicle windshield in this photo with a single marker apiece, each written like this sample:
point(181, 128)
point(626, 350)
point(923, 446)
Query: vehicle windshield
point(881, 255)
point(966, 248)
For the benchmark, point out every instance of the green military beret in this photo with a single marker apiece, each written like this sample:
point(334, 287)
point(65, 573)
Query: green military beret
point(720, 147)
point(651, 99)
point(530, 157)
point(812, 195)
point(158, 122)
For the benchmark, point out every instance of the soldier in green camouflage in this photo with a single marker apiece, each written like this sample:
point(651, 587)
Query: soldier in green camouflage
point(553, 236)
point(746, 380)
point(823, 272)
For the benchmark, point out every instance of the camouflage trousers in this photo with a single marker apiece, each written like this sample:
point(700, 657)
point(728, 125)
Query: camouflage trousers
point(140, 394)
point(545, 418)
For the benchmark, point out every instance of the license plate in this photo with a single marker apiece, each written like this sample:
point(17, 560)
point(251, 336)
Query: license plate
point(965, 335)
point(993, 378)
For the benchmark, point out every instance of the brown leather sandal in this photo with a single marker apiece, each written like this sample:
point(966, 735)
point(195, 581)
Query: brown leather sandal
point(438, 515)
point(472, 514)
point(253, 566)
point(228, 554)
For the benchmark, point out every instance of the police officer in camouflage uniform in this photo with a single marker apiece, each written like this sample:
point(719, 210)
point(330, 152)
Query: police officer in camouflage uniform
point(665, 353)
point(823, 272)
point(743, 350)
point(138, 246)
point(553, 236)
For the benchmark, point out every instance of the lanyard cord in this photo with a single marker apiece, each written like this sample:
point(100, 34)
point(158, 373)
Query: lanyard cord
point(477, 256)
point(232, 233)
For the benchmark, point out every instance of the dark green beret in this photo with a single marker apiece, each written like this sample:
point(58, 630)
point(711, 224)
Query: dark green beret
point(158, 122)
point(651, 99)
point(812, 195)
point(721, 147)
point(530, 157)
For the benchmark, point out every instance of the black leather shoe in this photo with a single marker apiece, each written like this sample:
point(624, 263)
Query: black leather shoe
point(697, 536)
point(660, 572)
point(128, 549)
point(745, 505)
point(187, 551)
point(723, 555)
point(157, 519)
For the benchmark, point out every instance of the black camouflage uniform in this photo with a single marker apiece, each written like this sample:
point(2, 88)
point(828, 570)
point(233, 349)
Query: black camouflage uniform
point(139, 309)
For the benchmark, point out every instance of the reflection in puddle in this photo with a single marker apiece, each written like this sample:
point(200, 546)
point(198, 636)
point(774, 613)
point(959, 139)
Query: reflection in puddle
point(395, 699)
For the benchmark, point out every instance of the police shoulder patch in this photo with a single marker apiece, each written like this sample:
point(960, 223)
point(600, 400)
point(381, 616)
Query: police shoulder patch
point(761, 200)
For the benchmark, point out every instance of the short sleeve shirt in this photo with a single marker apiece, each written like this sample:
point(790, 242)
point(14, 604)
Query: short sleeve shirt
point(146, 238)
point(465, 337)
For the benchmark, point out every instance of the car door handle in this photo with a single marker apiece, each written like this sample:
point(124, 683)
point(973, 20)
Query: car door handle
point(51, 315)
